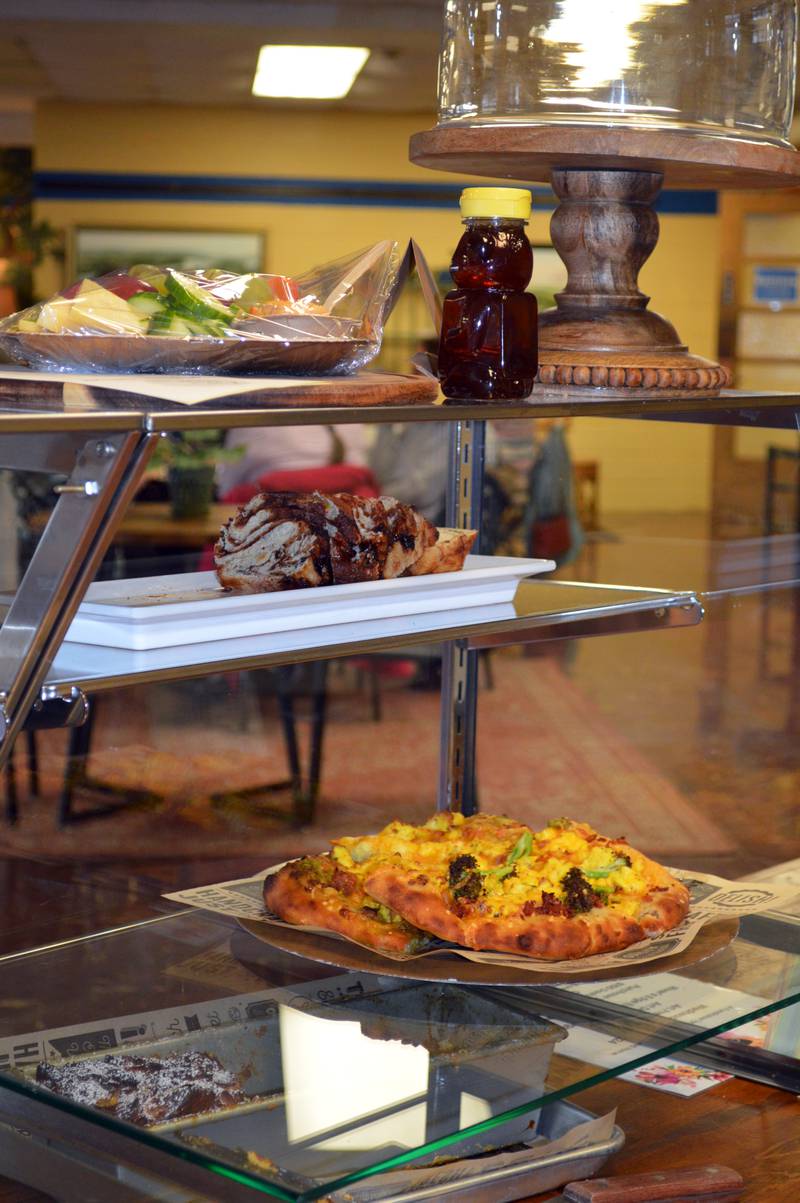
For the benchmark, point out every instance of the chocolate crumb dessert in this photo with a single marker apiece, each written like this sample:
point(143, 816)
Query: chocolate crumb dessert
point(146, 1090)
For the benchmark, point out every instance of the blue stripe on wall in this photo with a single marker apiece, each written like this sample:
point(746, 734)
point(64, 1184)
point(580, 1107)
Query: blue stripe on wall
point(280, 190)
point(684, 200)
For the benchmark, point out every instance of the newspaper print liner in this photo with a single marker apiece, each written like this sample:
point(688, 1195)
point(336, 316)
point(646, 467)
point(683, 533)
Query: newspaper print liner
point(713, 899)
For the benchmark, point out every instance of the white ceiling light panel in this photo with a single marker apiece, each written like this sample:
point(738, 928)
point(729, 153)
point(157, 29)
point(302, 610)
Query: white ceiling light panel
point(308, 72)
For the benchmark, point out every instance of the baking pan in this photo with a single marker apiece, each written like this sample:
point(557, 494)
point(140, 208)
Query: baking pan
point(542, 1172)
point(47, 1165)
point(471, 1180)
point(462, 1046)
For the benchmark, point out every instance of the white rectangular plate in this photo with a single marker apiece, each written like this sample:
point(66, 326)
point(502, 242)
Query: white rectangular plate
point(171, 611)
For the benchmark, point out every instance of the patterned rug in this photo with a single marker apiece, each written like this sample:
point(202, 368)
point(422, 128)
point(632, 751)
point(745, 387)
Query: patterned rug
point(543, 750)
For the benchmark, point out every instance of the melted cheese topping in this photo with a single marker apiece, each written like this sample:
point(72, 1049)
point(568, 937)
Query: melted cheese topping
point(516, 865)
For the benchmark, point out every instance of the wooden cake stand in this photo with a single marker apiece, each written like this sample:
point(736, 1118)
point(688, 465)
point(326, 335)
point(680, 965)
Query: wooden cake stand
point(601, 333)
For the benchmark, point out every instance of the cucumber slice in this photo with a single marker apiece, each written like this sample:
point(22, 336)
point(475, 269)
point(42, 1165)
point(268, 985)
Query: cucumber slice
point(195, 300)
point(160, 323)
point(214, 330)
point(181, 327)
point(146, 302)
point(178, 325)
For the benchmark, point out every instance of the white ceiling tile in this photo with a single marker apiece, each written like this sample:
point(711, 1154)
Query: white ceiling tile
point(181, 51)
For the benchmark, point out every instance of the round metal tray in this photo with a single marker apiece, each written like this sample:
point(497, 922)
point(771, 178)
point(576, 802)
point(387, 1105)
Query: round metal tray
point(450, 967)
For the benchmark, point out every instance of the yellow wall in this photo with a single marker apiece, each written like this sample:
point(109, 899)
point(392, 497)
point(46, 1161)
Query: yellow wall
point(664, 466)
point(643, 466)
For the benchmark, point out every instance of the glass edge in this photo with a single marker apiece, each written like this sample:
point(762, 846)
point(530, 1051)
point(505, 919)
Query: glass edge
point(444, 1142)
point(172, 1148)
point(142, 1136)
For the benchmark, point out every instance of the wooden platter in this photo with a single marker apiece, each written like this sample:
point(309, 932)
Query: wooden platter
point(661, 373)
point(25, 390)
point(529, 153)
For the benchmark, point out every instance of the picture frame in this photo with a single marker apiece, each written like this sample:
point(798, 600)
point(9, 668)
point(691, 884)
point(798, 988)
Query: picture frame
point(93, 250)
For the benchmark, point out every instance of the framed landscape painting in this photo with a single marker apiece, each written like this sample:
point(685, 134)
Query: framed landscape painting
point(98, 249)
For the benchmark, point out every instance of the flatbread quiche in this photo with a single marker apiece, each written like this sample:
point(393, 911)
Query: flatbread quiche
point(491, 883)
point(316, 891)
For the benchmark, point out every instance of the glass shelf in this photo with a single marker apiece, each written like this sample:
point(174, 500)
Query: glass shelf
point(344, 1077)
point(191, 977)
point(541, 610)
point(51, 401)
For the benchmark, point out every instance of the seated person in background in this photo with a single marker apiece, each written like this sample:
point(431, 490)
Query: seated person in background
point(289, 449)
point(409, 460)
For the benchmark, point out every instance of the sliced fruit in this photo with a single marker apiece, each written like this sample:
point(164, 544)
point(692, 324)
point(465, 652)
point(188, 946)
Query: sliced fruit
point(52, 315)
point(75, 288)
point(160, 322)
point(124, 285)
point(190, 296)
point(177, 325)
point(156, 277)
point(216, 330)
point(149, 303)
point(95, 308)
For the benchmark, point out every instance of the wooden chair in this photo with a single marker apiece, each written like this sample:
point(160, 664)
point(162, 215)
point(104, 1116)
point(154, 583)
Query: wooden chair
point(587, 493)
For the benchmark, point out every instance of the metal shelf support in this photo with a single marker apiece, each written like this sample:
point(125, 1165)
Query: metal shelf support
point(104, 471)
point(459, 664)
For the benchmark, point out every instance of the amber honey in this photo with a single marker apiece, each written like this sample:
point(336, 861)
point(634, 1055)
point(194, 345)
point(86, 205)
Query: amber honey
point(489, 346)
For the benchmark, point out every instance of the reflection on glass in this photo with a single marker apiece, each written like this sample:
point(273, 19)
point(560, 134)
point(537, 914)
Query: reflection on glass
point(390, 1070)
point(335, 1075)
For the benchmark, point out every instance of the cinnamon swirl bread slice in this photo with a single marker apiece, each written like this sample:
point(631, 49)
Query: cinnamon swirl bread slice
point(301, 540)
point(275, 541)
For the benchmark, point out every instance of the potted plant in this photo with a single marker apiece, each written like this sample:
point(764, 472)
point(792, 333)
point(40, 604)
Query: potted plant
point(191, 460)
point(24, 242)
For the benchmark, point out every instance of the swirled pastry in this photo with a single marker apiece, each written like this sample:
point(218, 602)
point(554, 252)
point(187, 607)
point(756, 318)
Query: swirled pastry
point(301, 540)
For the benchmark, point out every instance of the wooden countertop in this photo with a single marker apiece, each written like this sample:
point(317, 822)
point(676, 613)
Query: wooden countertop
point(151, 522)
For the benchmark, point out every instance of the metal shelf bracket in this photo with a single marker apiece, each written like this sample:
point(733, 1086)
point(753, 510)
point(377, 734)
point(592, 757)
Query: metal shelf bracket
point(459, 664)
point(103, 474)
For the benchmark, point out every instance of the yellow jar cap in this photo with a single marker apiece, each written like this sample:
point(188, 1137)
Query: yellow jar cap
point(496, 202)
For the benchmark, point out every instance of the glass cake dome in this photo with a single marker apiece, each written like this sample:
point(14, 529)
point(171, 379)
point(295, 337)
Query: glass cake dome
point(724, 68)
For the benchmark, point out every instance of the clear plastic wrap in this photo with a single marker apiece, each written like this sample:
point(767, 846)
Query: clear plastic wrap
point(158, 319)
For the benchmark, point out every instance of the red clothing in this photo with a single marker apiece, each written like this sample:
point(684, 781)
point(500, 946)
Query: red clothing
point(335, 478)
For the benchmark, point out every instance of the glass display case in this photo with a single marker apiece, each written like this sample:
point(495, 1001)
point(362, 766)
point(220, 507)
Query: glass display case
point(724, 68)
point(334, 1081)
